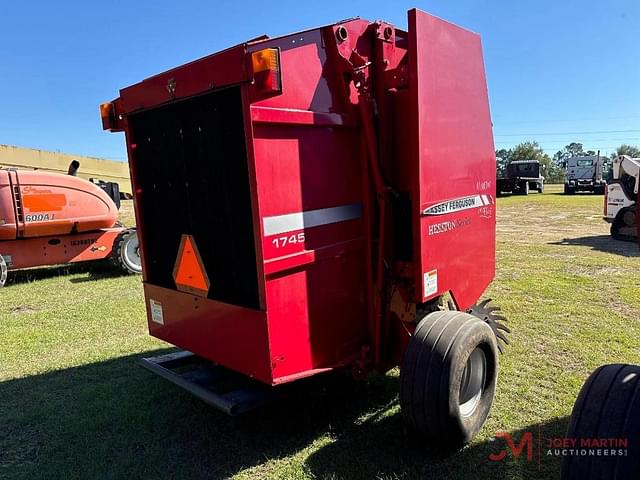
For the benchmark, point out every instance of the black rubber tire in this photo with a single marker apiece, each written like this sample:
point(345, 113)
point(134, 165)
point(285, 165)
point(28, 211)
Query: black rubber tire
point(569, 190)
point(3, 271)
point(608, 406)
point(599, 190)
point(524, 188)
point(432, 373)
point(541, 189)
point(619, 223)
point(121, 258)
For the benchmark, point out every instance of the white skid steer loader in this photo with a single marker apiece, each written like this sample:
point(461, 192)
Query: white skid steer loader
point(621, 197)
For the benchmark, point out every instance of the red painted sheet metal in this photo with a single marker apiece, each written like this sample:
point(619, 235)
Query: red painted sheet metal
point(214, 71)
point(301, 117)
point(253, 186)
point(316, 315)
point(453, 147)
point(309, 190)
point(306, 85)
point(232, 336)
point(305, 168)
point(281, 264)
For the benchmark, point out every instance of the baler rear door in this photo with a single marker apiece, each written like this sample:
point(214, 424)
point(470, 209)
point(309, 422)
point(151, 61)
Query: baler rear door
point(453, 152)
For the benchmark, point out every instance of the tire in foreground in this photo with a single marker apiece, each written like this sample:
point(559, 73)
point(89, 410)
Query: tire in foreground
point(608, 407)
point(448, 377)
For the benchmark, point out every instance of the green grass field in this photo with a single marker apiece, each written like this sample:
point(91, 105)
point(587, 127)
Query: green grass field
point(75, 404)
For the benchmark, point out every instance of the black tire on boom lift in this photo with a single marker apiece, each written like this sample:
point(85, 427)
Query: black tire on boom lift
point(448, 377)
point(3, 271)
point(126, 252)
point(524, 188)
point(608, 407)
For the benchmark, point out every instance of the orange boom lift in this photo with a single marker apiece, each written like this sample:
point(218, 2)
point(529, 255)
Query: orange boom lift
point(49, 219)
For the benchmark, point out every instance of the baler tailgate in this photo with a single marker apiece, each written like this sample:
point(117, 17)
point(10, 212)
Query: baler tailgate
point(453, 147)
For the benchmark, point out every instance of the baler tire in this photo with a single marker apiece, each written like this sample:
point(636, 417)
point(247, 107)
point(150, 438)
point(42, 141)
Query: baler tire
point(448, 377)
point(608, 407)
point(126, 252)
point(4, 270)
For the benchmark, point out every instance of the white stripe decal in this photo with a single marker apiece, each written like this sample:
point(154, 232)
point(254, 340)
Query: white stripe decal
point(456, 205)
point(310, 218)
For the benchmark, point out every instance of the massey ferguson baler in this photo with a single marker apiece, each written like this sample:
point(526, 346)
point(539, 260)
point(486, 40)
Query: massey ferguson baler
point(309, 202)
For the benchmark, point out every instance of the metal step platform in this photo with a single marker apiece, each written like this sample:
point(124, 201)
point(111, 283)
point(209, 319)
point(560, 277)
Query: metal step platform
point(219, 387)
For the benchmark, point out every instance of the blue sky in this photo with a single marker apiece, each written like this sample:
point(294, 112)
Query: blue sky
point(558, 71)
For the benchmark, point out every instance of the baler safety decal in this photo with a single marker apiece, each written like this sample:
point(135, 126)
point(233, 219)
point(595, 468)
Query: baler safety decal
point(157, 315)
point(458, 204)
point(430, 283)
point(310, 218)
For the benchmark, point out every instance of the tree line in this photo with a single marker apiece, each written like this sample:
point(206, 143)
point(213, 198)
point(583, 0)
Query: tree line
point(553, 166)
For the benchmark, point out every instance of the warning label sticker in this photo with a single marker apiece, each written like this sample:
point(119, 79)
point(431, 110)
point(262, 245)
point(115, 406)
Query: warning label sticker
point(430, 283)
point(156, 311)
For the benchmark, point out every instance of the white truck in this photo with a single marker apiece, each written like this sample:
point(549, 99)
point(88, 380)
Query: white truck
point(621, 197)
point(585, 174)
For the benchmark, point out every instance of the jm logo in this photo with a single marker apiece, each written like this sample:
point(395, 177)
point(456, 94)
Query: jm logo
point(516, 450)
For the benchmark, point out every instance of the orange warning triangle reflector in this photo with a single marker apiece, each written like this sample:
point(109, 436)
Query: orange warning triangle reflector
point(189, 273)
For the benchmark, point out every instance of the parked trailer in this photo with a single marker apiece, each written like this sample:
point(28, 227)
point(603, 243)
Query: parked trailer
point(50, 219)
point(298, 213)
point(521, 177)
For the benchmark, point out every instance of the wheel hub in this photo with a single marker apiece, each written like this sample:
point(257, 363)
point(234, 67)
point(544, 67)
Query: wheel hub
point(3, 271)
point(473, 380)
point(132, 253)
